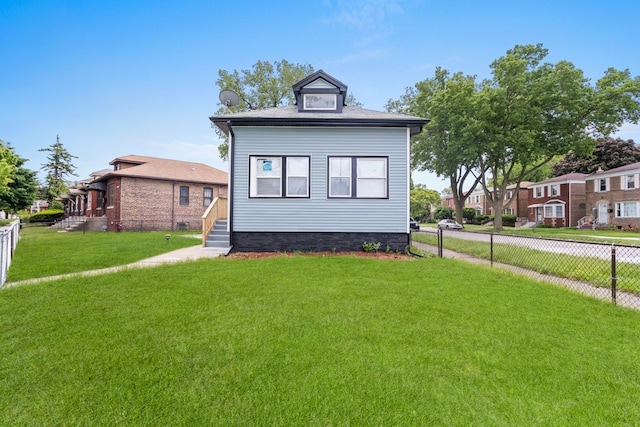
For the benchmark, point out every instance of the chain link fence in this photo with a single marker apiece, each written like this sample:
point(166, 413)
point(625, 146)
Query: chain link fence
point(606, 271)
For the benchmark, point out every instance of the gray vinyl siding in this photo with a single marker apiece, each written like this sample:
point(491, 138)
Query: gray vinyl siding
point(318, 213)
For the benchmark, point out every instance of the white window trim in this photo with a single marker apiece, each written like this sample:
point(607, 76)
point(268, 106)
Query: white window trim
point(619, 212)
point(331, 97)
point(554, 207)
point(624, 181)
point(535, 192)
point(551, 187)
point(282, 177)
point(596, 185)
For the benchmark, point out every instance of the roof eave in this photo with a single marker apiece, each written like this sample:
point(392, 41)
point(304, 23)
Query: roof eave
point(224, 124)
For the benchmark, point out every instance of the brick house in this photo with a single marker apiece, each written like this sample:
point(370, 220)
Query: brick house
point(558, 202)
point(613, 196)
point(150, 193)
point(518, 205)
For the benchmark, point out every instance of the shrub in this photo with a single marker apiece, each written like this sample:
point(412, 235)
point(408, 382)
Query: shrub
point(469, 214)
point(47, 215)
point(443, 212)
point(509, 220)
point(481, 219)
point(370, 246)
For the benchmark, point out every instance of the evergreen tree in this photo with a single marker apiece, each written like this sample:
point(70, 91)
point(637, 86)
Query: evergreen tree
point(608, 154)
point(58, 167)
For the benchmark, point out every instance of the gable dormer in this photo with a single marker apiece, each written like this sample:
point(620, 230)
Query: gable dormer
point(320, 93)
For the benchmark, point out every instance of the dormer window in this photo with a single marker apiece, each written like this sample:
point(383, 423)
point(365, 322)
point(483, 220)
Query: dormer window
point(320, 101)
point(320, 92)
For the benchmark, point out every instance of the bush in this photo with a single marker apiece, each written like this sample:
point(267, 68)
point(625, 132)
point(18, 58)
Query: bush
point(469, 214)
point(481, 219)
point(48, 215)
point(509, 220)
point(443, 212)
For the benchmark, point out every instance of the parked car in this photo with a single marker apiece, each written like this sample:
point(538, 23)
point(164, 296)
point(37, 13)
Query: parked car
point(449, 224)
point(413, 224)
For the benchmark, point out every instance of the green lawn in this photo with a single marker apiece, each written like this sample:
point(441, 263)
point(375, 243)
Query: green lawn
point(42, 251)
point(315, 341)
point(603, 236)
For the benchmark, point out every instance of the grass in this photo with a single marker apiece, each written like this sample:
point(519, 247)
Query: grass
point(588, 269)
point(306, 340)
point(47, 252)
point(601, 236)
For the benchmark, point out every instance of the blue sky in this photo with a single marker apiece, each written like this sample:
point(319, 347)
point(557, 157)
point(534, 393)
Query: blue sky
point(118, 77)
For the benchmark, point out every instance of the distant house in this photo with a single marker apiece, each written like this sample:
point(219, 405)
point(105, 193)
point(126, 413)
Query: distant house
point(38, 206)
point(517, 206)
point(613, 196)
point(318, 175)
point(150, 193)
point(559, 201)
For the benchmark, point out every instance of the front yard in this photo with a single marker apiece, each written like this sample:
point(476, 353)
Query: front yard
point(311, 340)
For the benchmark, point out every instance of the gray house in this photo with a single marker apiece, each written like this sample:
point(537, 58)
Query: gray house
point(318, 175)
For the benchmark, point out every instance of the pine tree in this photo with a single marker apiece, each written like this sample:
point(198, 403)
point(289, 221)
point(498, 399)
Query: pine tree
point(58, 167)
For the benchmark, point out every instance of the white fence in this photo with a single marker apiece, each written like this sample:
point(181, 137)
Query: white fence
point(8, 241)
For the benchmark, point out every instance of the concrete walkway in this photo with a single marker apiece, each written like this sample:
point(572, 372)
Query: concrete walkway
point(180, 255)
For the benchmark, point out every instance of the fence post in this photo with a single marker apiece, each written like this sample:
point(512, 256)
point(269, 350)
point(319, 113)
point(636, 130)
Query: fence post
point(440, 242)
point(614, 280)
point(491, 249)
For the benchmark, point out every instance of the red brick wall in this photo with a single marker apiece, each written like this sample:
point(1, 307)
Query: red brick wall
point(615, 194)
point(147, 204)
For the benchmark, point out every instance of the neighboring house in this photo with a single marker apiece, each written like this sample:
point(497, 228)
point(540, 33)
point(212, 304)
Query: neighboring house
point(613, 196)
point(318, 175)
point(447, 201)
point(38, 206)
point(150, 193)
point(559, 201)
point(477, 200)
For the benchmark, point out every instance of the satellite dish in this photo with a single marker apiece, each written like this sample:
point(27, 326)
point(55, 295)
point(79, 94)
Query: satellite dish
point(229, 98)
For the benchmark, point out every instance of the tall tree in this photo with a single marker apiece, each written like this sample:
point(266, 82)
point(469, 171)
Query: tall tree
point(445, 147)
point(530, 111)
point(8, 162)
point(59, 165)
point(609, 153)
point(421, 200)
point(265, 85)
point(21, 191)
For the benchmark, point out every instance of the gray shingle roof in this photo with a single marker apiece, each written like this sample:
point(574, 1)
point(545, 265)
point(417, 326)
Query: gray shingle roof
point(290, 116)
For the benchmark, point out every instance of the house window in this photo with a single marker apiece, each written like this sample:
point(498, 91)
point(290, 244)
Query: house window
point(320, 101)
point(207, 196)
point(507, 211)
point(554, 211)
point(273, 176)
point(507, 195)
point(184, 195)
point(602, 185)
point(359, 177)
point(538, 192)
point(554, 190)
point(629, 182)
point(627, 209)
point(477, 199)
point(111, 195)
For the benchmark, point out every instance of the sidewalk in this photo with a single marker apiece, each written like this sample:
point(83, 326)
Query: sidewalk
point(180, 255)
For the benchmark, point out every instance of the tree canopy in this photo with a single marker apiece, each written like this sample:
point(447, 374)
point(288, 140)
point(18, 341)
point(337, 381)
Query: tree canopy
point(513, 124)
point(265, 85)
point(21, 191)
point(59, 165)
point(421, 200)
point(609, 153)
point(8, 161)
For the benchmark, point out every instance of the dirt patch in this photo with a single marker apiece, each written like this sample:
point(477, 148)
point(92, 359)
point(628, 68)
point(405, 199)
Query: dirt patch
point(359, 254)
